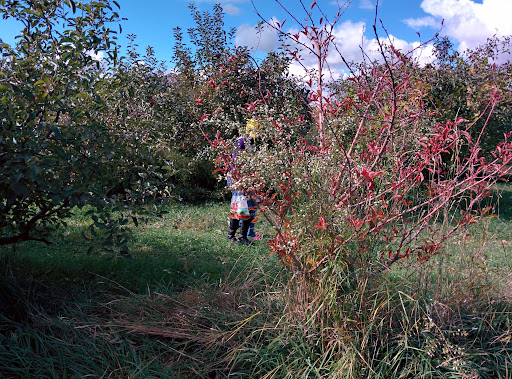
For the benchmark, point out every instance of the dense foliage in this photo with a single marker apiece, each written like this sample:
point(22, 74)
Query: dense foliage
point(390, 149)
point(384, 178)
point(360, 180)
point(460, 84)
point(117, 132)
point(215, 80)
point(60, 146)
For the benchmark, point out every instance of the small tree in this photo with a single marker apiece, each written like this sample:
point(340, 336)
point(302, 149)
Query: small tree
point(458, 85)
point(56, 150)
point(212, 77)
point(372, 188)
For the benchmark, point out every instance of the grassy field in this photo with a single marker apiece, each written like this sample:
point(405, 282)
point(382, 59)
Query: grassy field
point(191, 304)
point(73, 314)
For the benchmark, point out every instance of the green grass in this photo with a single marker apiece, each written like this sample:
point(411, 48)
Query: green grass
point(191, 304)
point(185, 247)
point(73, 314)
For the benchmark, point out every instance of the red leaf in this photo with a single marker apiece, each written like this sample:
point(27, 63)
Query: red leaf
point(313, 4)
point(370, 175)
point(356, 223)
point(321, 223)
point(205, 116)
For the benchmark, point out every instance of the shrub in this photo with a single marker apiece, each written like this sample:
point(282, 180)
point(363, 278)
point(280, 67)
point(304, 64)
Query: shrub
point(370, 185)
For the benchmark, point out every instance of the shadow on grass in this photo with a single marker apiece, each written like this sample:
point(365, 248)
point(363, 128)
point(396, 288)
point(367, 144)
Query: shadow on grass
point(95, 314)
point(160, 259)
point(166, 313)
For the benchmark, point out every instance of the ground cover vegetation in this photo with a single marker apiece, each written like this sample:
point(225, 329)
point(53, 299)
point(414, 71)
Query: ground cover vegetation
point(378, 195)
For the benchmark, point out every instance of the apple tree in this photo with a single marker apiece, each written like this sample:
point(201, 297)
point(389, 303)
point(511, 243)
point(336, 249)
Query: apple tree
point(57, 151)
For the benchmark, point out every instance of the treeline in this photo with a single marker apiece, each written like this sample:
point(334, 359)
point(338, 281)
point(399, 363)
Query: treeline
point(125, 133)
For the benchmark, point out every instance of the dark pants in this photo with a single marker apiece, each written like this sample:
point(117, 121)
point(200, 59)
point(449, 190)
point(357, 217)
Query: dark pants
point(244, 225)
point(252, 210)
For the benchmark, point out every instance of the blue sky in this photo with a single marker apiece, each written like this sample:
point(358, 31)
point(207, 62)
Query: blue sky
point(467, 22)
point(153, 22)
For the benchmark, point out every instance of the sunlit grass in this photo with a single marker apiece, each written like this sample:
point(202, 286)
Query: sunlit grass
point(186, 246)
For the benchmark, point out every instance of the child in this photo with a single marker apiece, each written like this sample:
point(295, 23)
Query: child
point(237, 220)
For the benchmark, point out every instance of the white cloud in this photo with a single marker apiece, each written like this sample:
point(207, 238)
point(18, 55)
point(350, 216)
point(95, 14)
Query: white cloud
point(366, 4)
point(97, 56)
point(297, 70)
point(422, 22)
point(470, 23)
point(349, 38)
point(231, 9)
point(257, 38)
point(354, 46)
point(350, 41)
point(423, 54)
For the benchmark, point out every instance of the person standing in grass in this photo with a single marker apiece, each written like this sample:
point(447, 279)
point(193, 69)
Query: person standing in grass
point(243, 206)
point(251, 131)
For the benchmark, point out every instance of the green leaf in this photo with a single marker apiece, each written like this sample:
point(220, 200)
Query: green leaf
point(20, 189)
point(56, 130)
point(29, 95)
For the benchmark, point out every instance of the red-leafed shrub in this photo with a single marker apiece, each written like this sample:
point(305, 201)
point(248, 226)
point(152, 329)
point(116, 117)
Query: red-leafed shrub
point(376, 181)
